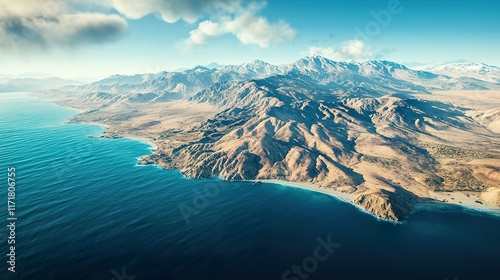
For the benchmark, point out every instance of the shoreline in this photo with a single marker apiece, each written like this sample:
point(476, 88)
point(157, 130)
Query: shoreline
point(433, 199)
point(468, 201)
point(142, 139)
point(138, 138)
point(340, 196)
point(346, 197)
point(462, 199)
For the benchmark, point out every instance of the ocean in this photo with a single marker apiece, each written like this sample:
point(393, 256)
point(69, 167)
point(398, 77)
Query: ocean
point(86, 210)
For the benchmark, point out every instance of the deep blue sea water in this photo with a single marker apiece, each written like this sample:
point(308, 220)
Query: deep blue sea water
point(85, 210)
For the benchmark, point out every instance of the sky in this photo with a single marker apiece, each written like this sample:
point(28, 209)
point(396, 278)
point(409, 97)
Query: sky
point(97, 38)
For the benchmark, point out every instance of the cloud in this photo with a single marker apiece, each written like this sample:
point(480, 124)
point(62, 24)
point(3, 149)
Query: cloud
point(250, 29)
point(352, 50)
point(37, 24)
point(174, 10)
point(246, 25)
point(205, 31)
point(34, 25)
point(227, 17)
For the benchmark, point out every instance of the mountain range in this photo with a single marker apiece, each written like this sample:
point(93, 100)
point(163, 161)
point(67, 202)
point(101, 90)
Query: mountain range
point(389, 136)
point(478, 71)
point(366, 78)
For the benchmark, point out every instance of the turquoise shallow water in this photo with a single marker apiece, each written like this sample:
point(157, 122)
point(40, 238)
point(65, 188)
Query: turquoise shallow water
point(86, 210)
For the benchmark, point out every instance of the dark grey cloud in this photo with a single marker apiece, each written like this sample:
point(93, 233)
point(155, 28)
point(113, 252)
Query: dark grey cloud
point(34, 25)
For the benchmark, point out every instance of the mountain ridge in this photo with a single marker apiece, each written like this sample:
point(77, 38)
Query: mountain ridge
point(372, 130)
point(374, 75)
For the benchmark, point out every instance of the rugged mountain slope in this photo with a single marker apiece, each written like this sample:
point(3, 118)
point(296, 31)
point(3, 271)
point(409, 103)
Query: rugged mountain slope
point(357, 128)
point(293, 129)
point(385, 76)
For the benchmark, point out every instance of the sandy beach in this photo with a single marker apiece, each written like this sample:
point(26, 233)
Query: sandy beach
point(308, 186)
point(146, 140)
point(445, 198)
point(463, 199)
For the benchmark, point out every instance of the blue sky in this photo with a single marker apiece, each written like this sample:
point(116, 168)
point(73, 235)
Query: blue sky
point(132, 36)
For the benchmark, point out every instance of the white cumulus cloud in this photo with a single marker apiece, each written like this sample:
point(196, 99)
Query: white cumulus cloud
point(205, 31)
point(236, 17)
point(226, 17)
point(246, 25)
point(173, 10)
point(352, 50)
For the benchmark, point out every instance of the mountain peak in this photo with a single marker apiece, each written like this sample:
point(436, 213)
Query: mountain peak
point(315, 61)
